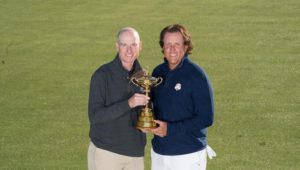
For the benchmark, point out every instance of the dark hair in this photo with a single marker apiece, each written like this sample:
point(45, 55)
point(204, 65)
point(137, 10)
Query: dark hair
point(183, 31)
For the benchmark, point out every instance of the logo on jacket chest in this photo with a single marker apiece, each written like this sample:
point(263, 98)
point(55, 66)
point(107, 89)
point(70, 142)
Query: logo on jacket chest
point(177, 87)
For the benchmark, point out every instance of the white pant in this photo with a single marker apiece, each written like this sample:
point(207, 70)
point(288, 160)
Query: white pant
point(192, 161)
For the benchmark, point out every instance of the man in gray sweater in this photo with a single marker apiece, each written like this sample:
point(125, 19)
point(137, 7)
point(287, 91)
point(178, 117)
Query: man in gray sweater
point(113, 109)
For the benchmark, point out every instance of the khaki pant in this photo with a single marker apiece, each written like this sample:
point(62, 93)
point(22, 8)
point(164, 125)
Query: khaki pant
point(99, 159)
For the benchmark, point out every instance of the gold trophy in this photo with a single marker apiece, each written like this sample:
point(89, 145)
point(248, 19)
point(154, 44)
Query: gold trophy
point(146, 117)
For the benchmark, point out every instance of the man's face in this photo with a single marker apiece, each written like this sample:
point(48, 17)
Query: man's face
point(174, 48)
point(128, 47)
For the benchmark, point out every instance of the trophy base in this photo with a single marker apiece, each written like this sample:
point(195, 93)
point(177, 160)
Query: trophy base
point(146, 120)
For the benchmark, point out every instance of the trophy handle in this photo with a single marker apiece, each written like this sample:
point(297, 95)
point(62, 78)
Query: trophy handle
point(158, 82)
point(133, 80)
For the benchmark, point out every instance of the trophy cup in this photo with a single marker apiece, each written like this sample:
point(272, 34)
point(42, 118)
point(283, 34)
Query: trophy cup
point(145, 120)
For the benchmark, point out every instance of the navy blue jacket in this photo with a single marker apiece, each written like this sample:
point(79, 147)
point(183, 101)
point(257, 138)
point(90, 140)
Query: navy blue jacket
point(185, 101)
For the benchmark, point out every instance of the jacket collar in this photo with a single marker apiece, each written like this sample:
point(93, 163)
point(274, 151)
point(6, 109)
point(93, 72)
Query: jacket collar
point(118, 67)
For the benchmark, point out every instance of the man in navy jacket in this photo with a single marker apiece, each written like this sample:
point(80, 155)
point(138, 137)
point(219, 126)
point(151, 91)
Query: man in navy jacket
point(183, 106)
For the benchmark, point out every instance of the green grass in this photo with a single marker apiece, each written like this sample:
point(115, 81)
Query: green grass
point(49, 49)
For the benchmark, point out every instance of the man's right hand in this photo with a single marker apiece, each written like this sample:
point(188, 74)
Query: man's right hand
point(138, 100)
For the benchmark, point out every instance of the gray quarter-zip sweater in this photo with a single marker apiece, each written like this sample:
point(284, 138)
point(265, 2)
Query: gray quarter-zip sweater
point(112, 121)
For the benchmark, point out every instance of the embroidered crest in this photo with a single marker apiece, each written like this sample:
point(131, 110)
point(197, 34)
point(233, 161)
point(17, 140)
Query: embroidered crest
point(177, 87)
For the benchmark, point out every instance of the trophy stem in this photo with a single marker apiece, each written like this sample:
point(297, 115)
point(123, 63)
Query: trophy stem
point(147, 94)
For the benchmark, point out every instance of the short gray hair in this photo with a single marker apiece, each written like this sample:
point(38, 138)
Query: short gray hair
point(130, 29)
